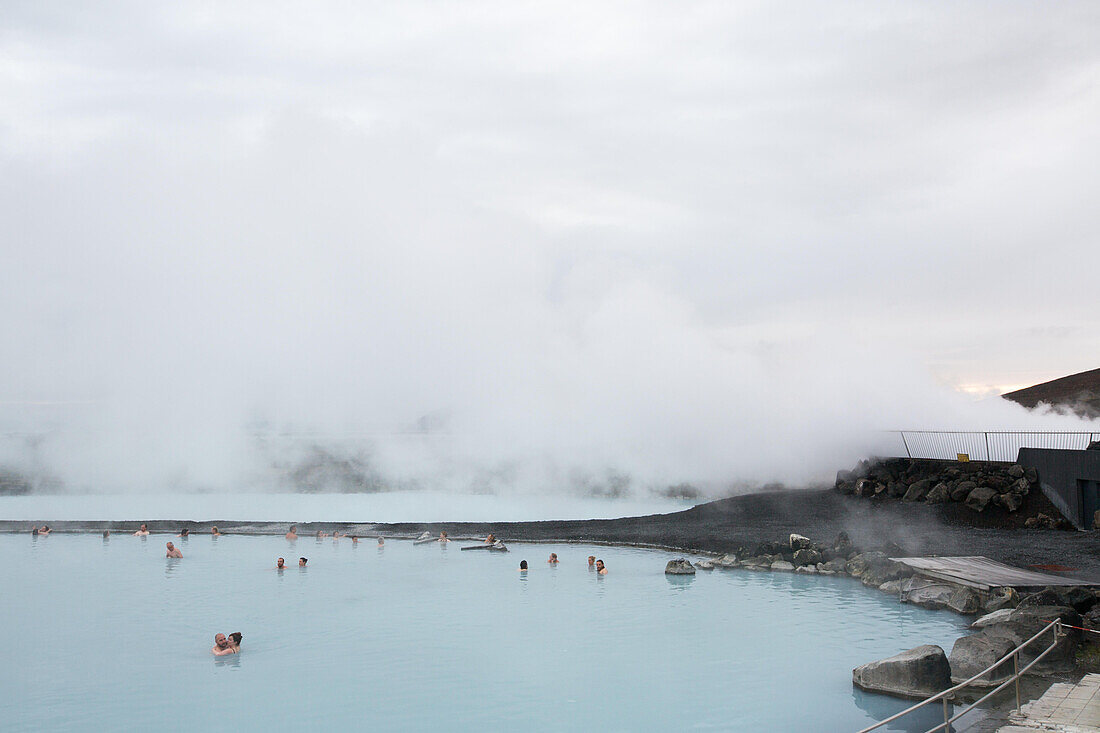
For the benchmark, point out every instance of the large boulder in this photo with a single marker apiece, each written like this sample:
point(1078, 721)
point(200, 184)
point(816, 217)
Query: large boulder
point(918, 489)
point(1016, 471)
point(1011, 502)
point(932, 596)
point(962, 490)
point(1023, 623)
point(782, 566)
point(917, 673)
point(679, 566)
point(806, 557)
point(836, 565)
point(971, 654)
point(979, 498)
point(704, 565)
point(880, 571)
point(989, 619)
point(1078, 598)
point(859, 564)
point(964, 600)
point(939, 494)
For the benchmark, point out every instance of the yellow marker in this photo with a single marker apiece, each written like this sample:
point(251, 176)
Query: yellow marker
point(963, 457)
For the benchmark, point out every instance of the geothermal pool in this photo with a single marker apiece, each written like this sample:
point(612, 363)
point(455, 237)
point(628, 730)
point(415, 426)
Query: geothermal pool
point(108, 634)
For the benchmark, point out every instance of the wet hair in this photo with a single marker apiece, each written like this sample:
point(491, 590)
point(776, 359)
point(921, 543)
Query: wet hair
point(303, 559)
point(293, 528)
point(522, 564)
point(106, 533)
point(46, 527)
point(184, 532)
point(236, 636)
point(599, 562)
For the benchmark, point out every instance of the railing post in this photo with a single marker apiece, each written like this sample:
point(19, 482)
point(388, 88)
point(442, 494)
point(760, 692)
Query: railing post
point(1016, 664)
point(946, 718)
point(988, 457)
point(906, 442)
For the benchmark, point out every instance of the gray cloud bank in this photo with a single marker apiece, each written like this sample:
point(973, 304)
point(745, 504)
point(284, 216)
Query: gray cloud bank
point(706, 243)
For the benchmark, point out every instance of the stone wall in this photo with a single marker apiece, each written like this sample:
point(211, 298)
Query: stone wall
point(976, 486)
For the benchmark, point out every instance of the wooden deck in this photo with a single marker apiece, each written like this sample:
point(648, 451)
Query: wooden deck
point(983, 573)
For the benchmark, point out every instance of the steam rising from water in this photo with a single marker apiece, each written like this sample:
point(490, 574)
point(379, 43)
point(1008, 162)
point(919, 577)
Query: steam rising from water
point(469, 255)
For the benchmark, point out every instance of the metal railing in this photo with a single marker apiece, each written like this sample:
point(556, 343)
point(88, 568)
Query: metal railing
point(948, 718)
point(986, 445)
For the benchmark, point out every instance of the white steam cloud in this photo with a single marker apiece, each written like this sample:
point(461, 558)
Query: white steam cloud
point(579, 245)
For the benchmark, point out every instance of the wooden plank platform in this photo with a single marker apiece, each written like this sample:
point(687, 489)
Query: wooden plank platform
point(983, 573)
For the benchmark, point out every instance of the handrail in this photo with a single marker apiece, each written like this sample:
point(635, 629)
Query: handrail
point(1056, 624)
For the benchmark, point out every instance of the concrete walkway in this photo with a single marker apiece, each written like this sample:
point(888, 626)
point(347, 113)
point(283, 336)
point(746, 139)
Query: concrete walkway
point(1064, 708)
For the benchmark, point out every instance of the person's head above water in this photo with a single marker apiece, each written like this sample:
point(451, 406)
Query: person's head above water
point(236, 637)
point(381, 541)
point(600, 568)
point(553, 557)
point(302, 562)
point(280, 563)
point(214, 530)
point(220, 641)
point(522, 564)
point(591, 560)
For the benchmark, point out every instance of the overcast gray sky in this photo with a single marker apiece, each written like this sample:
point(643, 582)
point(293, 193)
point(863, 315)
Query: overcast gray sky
point(579, 227)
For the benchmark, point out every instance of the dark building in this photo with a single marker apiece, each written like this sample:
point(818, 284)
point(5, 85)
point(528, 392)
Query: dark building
point(1070, 479)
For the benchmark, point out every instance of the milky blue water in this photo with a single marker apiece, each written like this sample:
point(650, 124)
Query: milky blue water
point(110, 635)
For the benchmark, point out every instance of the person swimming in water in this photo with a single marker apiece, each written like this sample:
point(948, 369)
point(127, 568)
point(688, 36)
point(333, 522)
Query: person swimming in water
point(321, 535)
point(491, 539)
point(354, 540)
point(184, 533)
point(523, 566)
point(591, 562)
point(235, 640)
point(292, 533)
point(381, 541)
point(173, 551)
point(600, 568)
point(302, 562)
point(280, 564)
point(222, 646)
point(214, 531)
point(443, 537)
point(143, 532)
point(553, 558)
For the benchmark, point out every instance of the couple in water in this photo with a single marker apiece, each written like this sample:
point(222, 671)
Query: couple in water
point(593, 564)
point(227, 644)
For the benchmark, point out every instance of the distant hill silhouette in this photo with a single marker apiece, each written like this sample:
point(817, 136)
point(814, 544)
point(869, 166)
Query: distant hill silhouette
point(1077, 393)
